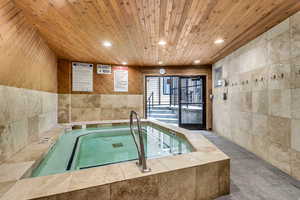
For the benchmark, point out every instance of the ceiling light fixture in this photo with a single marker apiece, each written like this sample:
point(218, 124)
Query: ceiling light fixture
point(107, 44)
point(124, 63)
point(162, 43)
point(160, 62)
point(196, 61)
point(219, 41)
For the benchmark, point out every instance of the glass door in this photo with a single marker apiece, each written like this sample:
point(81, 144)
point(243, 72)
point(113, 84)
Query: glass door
point(174, 92)
point(192, 113)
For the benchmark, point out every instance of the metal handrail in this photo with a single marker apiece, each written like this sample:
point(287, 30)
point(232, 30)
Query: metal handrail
point(140, 144)
point(150, 102)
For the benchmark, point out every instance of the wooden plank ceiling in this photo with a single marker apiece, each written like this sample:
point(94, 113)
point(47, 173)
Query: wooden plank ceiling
point(75, 29)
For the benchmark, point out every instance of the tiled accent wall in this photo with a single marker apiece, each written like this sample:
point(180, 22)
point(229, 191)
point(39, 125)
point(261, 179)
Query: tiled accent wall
point(101, 104)
point(262, 112)
point(95, 107)
point(24, 115)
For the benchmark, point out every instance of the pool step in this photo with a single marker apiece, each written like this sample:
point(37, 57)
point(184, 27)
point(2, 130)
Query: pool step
point(173, 121)
point(161, 112)
point(160, 108)
point(163, 115)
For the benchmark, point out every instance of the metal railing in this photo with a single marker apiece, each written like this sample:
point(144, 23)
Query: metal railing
point(137, 135)
point(150, 103)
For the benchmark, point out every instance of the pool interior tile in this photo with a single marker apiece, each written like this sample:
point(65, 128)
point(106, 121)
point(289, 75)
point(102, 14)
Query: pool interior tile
point(196, 139)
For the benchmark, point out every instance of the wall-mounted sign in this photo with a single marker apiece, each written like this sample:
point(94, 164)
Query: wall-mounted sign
point(103, 69)
point(121, 79)
point(82, 77)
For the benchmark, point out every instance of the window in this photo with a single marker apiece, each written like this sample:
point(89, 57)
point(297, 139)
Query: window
point(166, 85)
point(218, 76)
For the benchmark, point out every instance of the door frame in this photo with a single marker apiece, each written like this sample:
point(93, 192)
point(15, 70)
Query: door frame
point(204, 77)
point(145, 91)
point(193, 126)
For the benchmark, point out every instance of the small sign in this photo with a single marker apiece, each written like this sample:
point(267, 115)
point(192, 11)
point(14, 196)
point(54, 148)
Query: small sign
point(103, 69)
point(121, 79)
point(82, 77)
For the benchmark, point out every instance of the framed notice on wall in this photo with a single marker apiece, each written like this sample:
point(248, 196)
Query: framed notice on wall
point(103, 69)
point(120, 79)
point(82, 77)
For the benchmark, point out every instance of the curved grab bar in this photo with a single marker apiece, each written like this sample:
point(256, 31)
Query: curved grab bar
point(140, 143)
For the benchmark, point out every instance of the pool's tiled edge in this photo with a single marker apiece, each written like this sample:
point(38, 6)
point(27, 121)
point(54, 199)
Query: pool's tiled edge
point(22, 163)
point(203, 174)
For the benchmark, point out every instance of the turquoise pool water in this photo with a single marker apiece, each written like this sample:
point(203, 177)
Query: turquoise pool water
point(88, 148)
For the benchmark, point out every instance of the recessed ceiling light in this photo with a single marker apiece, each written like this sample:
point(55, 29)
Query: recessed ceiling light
point(160, 62)
point(107, 44)
point(124, 63)
point(162, 43)
point(196, 61)
point(219, 41)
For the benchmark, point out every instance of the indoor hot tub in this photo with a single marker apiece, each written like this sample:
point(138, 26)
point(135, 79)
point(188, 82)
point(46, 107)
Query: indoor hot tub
point(98, 160)
point(94, 147)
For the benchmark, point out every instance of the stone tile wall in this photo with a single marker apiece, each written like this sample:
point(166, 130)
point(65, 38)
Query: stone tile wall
point(24, 115)
point(95, 107)
point(262, 112)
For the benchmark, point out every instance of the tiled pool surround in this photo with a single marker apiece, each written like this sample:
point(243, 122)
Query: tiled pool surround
point(201, 174)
